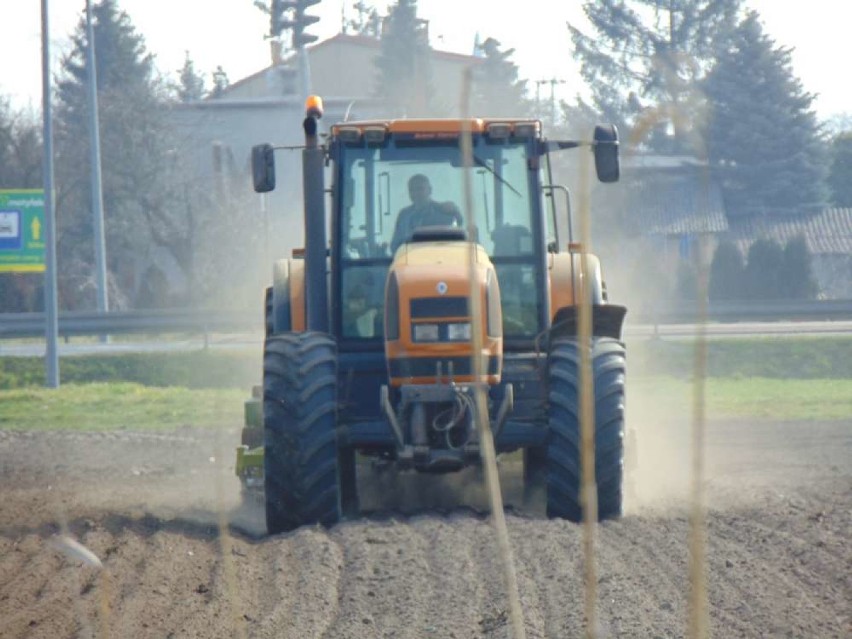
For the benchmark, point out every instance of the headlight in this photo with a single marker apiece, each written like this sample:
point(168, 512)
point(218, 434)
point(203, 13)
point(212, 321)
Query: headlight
point(458, 332)
point(425, 332)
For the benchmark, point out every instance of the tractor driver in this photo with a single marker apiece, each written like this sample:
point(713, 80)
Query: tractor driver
point(423, 211)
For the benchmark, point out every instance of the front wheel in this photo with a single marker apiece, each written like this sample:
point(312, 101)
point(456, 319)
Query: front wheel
point(302, 470)
point(564, 442)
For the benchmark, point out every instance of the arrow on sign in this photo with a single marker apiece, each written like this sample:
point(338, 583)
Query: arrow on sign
point(36, 229)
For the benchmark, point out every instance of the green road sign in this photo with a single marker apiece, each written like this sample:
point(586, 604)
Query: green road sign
point(22, 230)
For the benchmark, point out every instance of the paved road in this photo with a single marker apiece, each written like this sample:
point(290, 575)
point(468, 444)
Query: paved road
point(743, 329)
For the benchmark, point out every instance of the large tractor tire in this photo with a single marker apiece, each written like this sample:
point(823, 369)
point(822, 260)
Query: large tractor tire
point(304, 470)
point(562, 460)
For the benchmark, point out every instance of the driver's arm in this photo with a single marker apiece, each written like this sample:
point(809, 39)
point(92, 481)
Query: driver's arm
point(452, 210)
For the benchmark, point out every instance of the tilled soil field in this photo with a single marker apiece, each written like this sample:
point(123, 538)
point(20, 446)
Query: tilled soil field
point(422, 562)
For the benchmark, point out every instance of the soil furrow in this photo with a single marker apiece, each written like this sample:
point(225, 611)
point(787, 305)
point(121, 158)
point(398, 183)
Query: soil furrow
point(779, 552)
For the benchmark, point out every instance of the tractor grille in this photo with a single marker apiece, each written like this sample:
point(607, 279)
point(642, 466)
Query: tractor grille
point(428, 366)
point(431, 307)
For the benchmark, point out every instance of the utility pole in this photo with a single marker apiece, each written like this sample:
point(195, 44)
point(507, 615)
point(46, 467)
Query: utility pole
point(538, 84)
point(95, 158)
point(552, 82)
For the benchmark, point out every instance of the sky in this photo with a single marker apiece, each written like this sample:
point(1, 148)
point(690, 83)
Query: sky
point(231, 35)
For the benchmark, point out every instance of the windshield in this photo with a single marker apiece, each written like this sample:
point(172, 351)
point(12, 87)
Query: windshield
point(383, 187)
point(388, 192)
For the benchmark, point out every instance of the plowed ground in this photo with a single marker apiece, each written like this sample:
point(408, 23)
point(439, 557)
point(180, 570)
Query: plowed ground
point(421, 563)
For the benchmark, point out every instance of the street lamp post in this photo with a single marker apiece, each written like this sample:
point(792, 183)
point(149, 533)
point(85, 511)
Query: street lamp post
point(51, 359)
point(95, 156)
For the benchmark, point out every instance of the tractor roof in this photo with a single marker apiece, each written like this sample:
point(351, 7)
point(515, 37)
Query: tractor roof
point(436, 125)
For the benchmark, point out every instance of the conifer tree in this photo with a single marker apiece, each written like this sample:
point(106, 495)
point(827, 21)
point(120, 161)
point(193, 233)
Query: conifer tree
point(404, 63)
point(763, 271)
point(497, 90)
point(191, 83)
point(367, 21)
point(20, 148)
point(798, 276)
point(135, 147)
point(840, 174)
point(763, 140)
point(649, 53)
point(726, 273)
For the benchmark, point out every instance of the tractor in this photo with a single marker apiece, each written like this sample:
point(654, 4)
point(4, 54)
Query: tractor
point(379, 337)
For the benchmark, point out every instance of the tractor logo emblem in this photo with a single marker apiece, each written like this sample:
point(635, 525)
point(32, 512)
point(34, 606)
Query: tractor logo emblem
point(442, 288)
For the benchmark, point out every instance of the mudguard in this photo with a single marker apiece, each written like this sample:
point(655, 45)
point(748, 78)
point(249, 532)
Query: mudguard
point(288, 300)
point(607, 321)
point(564, 276)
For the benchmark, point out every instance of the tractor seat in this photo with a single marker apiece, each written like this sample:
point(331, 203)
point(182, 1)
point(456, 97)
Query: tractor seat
point(439, 234)
point(512, 240)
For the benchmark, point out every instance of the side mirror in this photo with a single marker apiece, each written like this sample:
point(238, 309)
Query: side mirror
point(606, 152)
point(263, 168)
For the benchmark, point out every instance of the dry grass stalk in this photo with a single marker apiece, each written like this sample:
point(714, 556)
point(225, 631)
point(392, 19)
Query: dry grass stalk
point(486, 440)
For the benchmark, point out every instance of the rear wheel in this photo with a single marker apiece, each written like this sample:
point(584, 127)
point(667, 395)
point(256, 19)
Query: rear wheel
point(302, 469)
point(564, 443)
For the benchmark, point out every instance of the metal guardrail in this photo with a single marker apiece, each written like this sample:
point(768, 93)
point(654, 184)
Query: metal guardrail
point(756, 311)
point(197, 321)
point(205, 321)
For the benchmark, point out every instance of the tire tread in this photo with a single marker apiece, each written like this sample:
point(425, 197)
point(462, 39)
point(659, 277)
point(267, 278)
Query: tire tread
point(563, 450)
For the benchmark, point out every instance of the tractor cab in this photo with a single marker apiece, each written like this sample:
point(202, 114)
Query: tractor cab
point(392, 178)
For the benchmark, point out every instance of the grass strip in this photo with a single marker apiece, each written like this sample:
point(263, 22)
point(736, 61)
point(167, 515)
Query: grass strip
point(130, 406)
point(807, 357)
point(746, 397)
point(120, 406)
point(191, 369)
